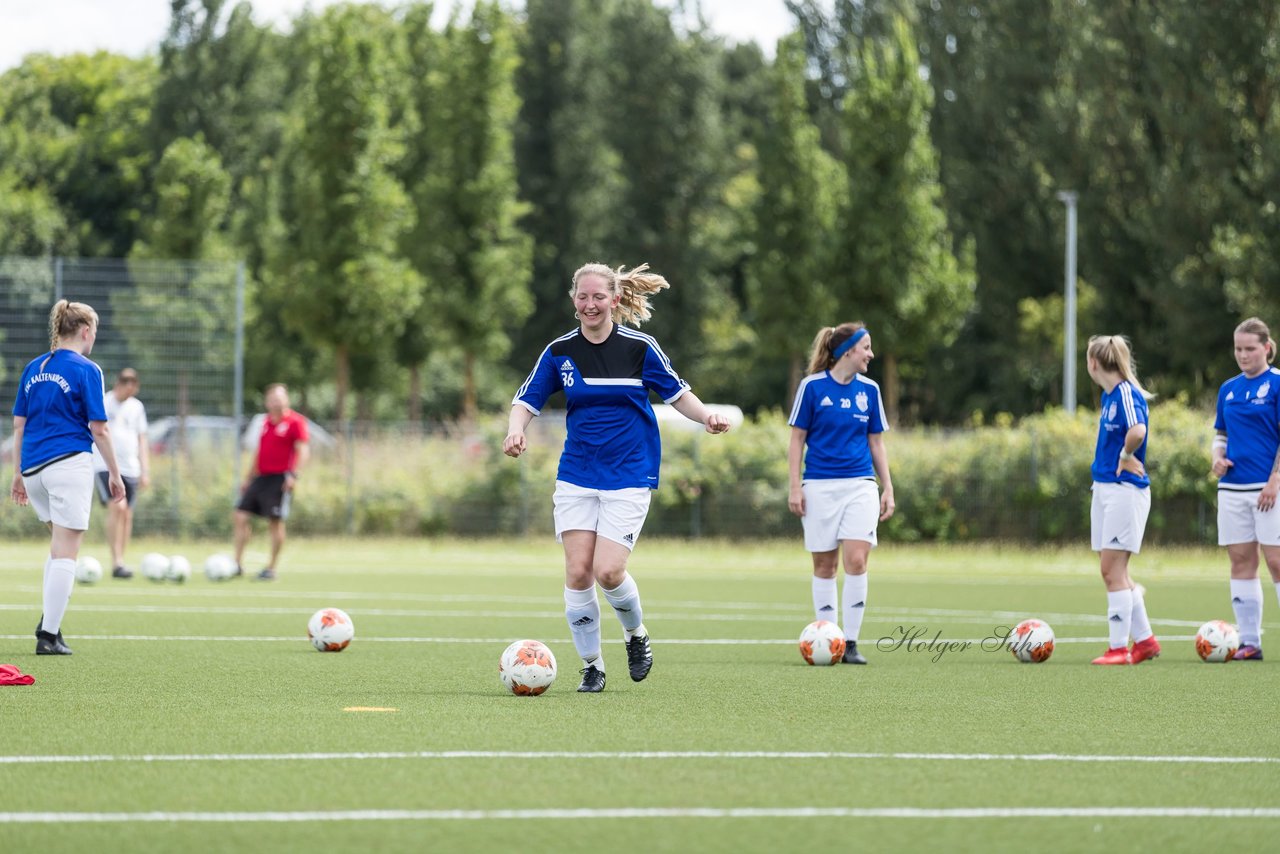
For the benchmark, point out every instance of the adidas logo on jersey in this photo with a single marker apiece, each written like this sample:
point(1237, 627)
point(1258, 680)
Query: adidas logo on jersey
point(567, 366)
point(826, 401)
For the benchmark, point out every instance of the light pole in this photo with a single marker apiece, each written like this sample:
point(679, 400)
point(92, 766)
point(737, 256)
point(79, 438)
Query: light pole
point(1068, 198)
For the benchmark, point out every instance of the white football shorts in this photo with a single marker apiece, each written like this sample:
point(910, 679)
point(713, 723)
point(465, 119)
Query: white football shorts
point(1119, 516)
point(615, 514)
point(1240, 520)
point(846, 508)
point(62, 492)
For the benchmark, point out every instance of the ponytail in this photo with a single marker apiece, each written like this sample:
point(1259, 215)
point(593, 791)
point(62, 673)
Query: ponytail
point(822, 351)
point(632, 288)
point(1113, 354)
point(66, 319)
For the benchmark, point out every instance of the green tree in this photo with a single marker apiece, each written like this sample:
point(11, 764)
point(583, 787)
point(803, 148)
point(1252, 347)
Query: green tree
point(569, 169)
point(476, 257)
point(904, 277)
point(339, 270)
point(789, 293)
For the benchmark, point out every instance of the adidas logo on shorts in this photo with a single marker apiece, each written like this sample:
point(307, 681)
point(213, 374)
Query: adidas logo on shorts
point(629, 539)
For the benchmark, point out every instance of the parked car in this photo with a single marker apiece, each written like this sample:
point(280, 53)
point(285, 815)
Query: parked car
point(217, 432)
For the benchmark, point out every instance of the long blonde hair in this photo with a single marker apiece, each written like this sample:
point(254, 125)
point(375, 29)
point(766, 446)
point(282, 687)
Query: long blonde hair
point(822, 353)
point(1255, 326)
point(66, 318)
point(1113, 354)
point(633, 288)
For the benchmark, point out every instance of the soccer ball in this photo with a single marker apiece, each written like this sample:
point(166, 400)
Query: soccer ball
point(330, 630)
point(1217, 641)
point(88, 570)
point(1031, 641)
point(219, 567)
point(527, 668)
point(155, 566)
point(822, 643)
point(179, 569)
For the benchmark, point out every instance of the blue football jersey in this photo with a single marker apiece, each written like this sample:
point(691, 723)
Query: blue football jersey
point(1122, 408)
point(60, 393)
point(613, 440)
point(1249, 413)
point(837, 418)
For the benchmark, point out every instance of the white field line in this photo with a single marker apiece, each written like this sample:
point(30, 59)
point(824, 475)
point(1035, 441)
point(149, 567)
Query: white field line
point(636, 755)
point(923, 644)
point(1007, 618)
point(641, 813)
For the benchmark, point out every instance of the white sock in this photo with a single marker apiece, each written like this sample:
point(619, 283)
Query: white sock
point(59, 580)
point(625, 599)
point(582, 611)
point(824, 599)
point(1141, 626)
point(1246, 601)
point(1119, 617)
point(855, 602)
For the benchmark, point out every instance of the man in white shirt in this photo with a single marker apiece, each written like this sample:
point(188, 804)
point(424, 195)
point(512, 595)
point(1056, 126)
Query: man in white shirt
point(127, 423)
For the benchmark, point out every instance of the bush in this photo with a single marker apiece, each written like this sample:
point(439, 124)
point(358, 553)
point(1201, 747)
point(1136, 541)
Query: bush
point(1024, 482)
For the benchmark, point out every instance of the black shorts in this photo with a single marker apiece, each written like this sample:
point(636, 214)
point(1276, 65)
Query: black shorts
point(265, 496)
point(104, 488)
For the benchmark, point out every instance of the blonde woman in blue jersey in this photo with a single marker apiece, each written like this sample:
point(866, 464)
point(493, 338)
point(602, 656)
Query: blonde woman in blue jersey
point(611, 454)
point(1246, 461)
point(837, 429)
point(58, 417)
point(1121, 497)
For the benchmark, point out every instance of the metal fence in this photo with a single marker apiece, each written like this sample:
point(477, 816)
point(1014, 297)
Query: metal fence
point(180, 324)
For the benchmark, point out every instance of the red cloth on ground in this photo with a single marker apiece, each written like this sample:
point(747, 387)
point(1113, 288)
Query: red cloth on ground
point(10, 675)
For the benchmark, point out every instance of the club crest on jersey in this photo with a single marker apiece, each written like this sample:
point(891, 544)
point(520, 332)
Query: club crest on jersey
point(1111, 413)
point(1264, 388)
point(826, 401)
point(861, 399)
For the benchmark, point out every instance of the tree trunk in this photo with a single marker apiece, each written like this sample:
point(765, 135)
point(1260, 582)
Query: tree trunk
point(364, 407)
point(795, 371)
point(892, 388)
point(469, 407)
point(343, 380)
point(415, 396)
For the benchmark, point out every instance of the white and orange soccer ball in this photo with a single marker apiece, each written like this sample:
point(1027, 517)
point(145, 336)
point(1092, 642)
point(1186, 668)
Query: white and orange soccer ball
point(527, 668)
point(330, 630)
point(1217, 641)
point(822, 643)
point(1031, 641)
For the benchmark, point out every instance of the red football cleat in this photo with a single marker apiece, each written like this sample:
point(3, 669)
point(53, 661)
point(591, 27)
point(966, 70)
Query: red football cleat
point(1119, 655)
point(1142, 650)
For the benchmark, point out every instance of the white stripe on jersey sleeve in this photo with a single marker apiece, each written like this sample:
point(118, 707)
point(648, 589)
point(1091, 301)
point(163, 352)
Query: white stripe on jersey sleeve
point(538, 361)
point(1126, 398)
point(795, 406)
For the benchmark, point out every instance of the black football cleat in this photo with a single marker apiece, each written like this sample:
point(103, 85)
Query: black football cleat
point(639, 657)
point(121, 572)
point(267, 574)
point(592, 680)
point(851, 654)
point(47, 644)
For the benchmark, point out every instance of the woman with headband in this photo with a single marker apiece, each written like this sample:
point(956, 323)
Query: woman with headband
point(837, 428)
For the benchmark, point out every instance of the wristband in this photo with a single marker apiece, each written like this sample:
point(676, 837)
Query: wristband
point(1125, 456)
point(292, 474)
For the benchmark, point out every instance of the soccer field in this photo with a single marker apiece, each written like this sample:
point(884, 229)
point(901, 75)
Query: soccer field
point(197, 717)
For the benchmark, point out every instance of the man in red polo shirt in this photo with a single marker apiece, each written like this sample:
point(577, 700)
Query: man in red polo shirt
point(283, 450)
